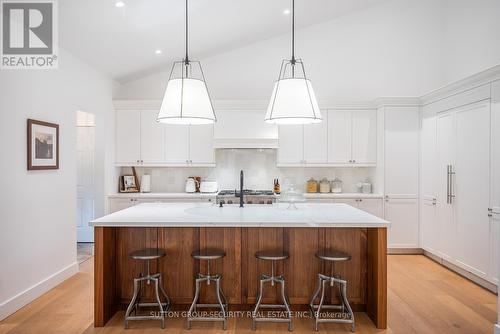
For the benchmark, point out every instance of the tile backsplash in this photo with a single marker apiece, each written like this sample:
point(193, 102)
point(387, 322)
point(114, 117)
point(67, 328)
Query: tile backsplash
point(260, 170)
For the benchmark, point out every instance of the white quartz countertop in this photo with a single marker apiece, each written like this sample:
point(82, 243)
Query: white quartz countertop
point(209, 195)
point(211, 215)
point(163, 195)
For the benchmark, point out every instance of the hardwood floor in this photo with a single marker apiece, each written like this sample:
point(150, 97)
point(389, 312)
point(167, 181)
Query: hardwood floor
point(423, 297)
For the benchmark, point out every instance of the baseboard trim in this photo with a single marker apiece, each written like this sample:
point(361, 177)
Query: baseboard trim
point(23, 298)
point(464, 273)
point(405, 251)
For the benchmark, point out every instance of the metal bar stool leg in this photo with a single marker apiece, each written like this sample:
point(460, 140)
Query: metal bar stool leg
point(132, 304)
point(257, 304)
point(346, 303)
point(157, 295)
point(222, 306)
point(195, 301)
point(285, 302)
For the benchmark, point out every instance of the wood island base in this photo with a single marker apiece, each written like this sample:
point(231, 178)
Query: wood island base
point(366, 272)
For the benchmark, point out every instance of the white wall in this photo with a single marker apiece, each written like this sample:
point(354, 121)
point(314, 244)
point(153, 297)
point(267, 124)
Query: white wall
point(397, 48)
point(472, 35)
point(38, 208)
point(385, 50)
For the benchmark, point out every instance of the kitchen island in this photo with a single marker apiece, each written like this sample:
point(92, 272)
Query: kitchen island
point(181, 228)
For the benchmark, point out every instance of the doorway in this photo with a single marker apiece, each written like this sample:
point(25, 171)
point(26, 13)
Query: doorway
point(85, 169)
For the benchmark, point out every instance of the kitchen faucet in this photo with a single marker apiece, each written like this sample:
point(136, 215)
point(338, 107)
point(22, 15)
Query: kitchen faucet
point(241, 188)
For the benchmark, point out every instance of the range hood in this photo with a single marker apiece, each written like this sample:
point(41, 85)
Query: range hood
point(244, 129)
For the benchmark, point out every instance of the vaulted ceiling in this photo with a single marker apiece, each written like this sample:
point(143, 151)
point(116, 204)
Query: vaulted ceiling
point(121, 42)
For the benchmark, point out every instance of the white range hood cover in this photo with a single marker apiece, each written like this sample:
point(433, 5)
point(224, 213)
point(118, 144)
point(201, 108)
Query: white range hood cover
point(244, 129)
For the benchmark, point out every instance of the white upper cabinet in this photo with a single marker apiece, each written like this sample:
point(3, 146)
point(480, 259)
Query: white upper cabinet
point(344, 138)
point(128, 136)
point(402, 127)
point(291, 142)
point(201, 147)
point(140, 140)
point(352, 137)
point(176, 144)
point(364, 136)
point(315, 142)
point(339, 136)
point(152, 138)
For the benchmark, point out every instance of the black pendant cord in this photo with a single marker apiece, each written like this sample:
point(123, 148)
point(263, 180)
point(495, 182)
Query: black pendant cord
point(186, 60)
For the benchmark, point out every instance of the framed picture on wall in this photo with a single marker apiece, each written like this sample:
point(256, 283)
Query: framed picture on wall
point(43, 145)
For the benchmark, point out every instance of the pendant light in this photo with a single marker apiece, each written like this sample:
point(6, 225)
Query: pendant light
point(293, 100)
point(186, 99)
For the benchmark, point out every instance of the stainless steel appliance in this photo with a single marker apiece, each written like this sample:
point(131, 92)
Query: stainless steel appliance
point(249, 197)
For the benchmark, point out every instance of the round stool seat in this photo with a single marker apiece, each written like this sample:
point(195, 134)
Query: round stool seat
point(208, 254)
point(272, 255)
point(332, 255)
point(148, 254)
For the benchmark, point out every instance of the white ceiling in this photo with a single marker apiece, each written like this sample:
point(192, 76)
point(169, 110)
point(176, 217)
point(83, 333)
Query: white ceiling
point(122, 41)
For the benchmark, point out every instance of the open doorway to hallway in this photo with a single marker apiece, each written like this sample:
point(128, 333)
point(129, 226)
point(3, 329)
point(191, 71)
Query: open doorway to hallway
point(85, 147)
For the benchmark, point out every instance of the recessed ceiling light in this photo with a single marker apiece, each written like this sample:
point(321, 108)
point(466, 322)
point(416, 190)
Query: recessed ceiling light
point(158, 52)
point(119, 4)
point(286, 12)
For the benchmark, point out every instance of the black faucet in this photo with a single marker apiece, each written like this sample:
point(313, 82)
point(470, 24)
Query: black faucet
point(241, 188)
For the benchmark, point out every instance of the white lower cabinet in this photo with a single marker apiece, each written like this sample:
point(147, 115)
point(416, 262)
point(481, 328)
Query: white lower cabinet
point(373, 206)
point(402, 213)
point(120, 203)
point(117, 204)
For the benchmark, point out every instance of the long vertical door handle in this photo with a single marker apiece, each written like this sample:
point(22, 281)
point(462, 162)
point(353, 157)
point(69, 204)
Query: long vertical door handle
point(452, 195)
point(448, 198)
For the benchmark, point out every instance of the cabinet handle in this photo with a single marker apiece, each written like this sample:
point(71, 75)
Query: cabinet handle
point(449, 184)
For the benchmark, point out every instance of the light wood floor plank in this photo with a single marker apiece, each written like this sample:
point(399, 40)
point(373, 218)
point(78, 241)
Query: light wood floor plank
point(423, 298)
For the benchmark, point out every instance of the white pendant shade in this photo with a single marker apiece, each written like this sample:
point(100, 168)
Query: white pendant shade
point(293, 102)
point(186, 101)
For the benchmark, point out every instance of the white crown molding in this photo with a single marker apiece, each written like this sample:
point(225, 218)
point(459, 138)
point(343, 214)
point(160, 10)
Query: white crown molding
point(476, 80)
point(397, 102)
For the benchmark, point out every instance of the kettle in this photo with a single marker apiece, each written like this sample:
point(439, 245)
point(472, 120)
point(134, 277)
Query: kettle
point(191, 185)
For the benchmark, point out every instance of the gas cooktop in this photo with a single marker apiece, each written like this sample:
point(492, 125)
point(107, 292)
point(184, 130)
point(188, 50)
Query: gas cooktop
point(246, 192)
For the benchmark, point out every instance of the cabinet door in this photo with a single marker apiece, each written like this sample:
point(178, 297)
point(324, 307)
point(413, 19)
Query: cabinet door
point(364, 136)
point(349, 201)
point(403, 215)
point(472, 182)
point(316, 142)
point(152, 138)
point(117, 204)
point(291, 143)
point(402, 127)
point(201, 144)
point(339, 136)
point(372, 205)
point(176, 144)
point(428, 208)
point(495, 183)
point(429, 226)
point(128, 137)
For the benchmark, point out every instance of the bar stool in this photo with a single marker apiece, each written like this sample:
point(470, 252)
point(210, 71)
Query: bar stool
point(332, 256)
point(265, 278)
point(208, 254)
point(147, 255)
